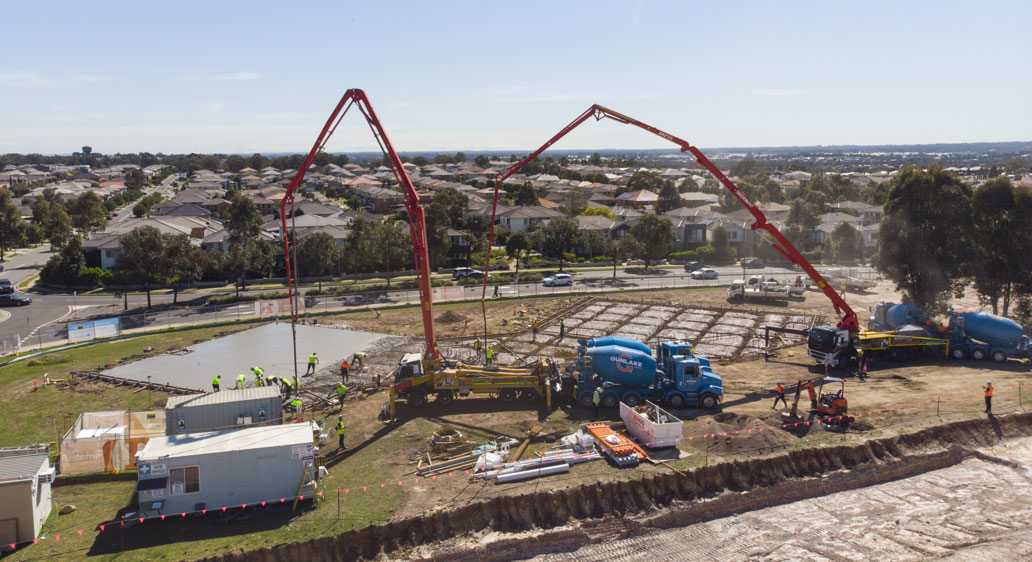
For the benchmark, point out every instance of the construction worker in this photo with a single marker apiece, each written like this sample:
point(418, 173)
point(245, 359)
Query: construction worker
point(477, 346)
point(496, 291)
point(295, 405)
point(843, 289)
point(534, 328)
point(345, 367)
point(313, 360)
point(360, 359)
point(562, 329)
point(861, 364)
point(489, 353)
point(215, 384)
point(989, 397)
point(286, 386)
point(241, 380)
point(779, 394)
point(258, 372)
point(340, 432)
point(342, 390)
point(596, 398)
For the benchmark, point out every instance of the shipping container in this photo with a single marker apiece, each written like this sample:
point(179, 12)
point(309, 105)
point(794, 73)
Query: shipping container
point(228, 409)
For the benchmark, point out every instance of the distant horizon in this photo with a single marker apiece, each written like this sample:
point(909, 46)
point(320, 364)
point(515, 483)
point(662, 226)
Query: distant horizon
point(672, 150)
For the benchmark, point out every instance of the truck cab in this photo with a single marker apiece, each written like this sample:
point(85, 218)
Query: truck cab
point(826, 344)
point(695, 382)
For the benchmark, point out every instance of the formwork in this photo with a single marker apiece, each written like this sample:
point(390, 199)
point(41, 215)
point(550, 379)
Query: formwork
point(227, 409)
point(108, 441)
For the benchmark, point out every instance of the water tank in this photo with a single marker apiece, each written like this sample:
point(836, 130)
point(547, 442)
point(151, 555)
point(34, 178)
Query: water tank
point(616, 340)
point(623, 365)
point(991, 329)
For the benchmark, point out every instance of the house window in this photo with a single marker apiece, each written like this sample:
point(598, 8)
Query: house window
point(732, 235)
point(185, 480)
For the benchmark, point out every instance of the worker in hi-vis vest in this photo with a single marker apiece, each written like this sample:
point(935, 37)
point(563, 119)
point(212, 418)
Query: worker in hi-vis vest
point(241, 380)
point(340, 432)
point(596, 398)
point(313, 360)
point(215, 384)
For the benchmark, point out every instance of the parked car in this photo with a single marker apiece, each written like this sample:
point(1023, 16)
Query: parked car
point(693, 265)
point(6, 287)
point(705, 273)
point(752, 263)
point(558, 280)
point(14, 300)
point(467, 273)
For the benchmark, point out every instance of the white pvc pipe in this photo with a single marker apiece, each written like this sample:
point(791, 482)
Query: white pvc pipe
point(532, 473)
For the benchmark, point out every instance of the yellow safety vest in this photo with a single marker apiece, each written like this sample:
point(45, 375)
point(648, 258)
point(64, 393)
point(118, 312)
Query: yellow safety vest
point(311, 359)
point(215, 381)
point(342, 390)
point(340, 427)
point(595, 398)
point(490, 353)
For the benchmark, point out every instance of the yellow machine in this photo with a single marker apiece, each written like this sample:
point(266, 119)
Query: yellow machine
point(416, 379)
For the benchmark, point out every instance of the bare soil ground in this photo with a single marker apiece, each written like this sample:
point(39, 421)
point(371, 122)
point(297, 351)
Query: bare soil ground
point(744, 427)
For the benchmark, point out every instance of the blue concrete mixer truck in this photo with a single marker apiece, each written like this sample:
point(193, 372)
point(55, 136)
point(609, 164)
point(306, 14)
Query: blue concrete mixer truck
point(627, 372)
point(978, 335)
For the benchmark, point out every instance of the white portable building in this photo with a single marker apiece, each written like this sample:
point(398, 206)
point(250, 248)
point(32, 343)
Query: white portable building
point(195, 471)
point(227, 409)
point(25, 502)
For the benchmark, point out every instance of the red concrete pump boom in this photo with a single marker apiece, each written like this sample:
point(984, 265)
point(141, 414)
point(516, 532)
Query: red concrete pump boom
point(848, 321)
point(417, 220)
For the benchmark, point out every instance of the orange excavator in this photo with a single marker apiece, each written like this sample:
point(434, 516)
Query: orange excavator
point(829, 408)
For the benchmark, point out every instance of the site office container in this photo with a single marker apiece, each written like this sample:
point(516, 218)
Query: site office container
point(227, 409)
point(195, 471)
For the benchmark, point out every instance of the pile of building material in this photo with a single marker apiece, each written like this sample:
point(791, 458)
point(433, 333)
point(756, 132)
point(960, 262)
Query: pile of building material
point(548, 463)
point(651, 425)
point(451, 450)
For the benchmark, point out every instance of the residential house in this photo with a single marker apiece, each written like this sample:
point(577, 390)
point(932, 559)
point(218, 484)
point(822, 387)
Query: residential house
point(525, 218)
point(637, 198)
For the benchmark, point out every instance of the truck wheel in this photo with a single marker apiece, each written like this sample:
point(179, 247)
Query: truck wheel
point(417, 399)
point(529, 395)
point(675, 401)
point(507, 395)
point(708, 401)
point(978, 354)
point(586, 400)
point(958, 353)
point(999, 356)
point(631, 400)
point(444, 397)
point(610, 400)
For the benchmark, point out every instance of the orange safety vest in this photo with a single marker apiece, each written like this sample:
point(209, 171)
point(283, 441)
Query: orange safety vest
point(989, 391)
point(346, 365)
point(781, 389)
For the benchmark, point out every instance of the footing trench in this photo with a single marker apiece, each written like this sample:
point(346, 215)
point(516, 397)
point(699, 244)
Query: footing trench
point(564, 520)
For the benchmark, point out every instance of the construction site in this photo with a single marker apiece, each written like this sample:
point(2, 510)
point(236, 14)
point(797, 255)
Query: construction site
point(609, 426)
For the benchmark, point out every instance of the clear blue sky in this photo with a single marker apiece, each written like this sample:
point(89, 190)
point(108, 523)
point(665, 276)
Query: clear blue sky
point(487, 75)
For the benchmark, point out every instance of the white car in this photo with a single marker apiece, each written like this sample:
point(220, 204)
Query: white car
point(558, 280)
point(705, 273)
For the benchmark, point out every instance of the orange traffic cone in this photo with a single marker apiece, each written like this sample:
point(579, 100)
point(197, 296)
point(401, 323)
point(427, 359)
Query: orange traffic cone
point(35, 386)
point(865, 368)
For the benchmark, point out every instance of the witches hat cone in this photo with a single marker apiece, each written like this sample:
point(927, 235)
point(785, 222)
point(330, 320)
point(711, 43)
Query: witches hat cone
point(35, 386)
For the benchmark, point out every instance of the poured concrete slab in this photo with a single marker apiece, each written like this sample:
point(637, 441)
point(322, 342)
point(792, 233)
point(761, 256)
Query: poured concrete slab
point(269, 347)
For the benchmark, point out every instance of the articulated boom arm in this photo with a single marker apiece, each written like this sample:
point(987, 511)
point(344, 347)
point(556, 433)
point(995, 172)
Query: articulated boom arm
point(848, 321)
point(417, 220)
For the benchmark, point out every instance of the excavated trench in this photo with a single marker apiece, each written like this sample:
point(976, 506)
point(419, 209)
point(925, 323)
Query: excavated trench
point(564, 520)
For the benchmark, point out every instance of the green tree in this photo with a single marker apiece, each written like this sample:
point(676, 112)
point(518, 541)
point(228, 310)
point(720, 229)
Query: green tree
point(65, 267)
point(558, 236)
point(594, 243)
point(722, 245)
point(143, 257)
point(360, 253)
point(655, 235)
point(622, 248)
point(12, 227)
point(525, 195)
point(245, 222)
point(643, 180)
point(135, 178)
point(924, 243)
point(49, 212)
point(574, 201)
point(482, 161)
point(437, 239)
point(456, 202)
point(846, 241)
point(187, 263)
point(516, 246)
point(316, 254)
point(688, 184)
point(235, 163)
point(669, 198)
point(1003, 232)
point(393, 247)
point(88, 213)
point(746, 167)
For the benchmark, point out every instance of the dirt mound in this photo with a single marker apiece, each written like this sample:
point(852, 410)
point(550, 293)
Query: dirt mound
point(739, 433)
point(451, 317)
